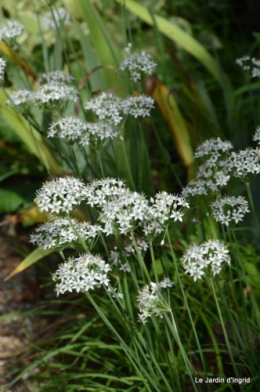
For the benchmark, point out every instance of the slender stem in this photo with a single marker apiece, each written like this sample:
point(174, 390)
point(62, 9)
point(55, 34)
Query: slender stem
point(251, 202)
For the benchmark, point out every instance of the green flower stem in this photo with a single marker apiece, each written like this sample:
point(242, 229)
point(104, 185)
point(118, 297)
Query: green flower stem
point(250, 198)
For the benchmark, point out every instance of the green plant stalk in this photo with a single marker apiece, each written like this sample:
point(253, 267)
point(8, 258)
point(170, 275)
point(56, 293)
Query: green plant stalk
point(251, 202)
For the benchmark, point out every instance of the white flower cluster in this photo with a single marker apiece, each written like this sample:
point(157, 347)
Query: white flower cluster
point(208, 256)
point(83, 273)
point(151, 300)
point(137, 64)
point(54, 93)
point(125, 210)
point(109, 107)
point(213, 147)
point(10, 30)
point(51, 95)
point(256, 136)
point(60, 195)
point(73, 129)
point(55, 77)
point(2, 68)
point(250, 64)
point(212, 174)
point(244, 164)
point(54, 19)
point(230, 209)
point(62, 233)
point(163, 209)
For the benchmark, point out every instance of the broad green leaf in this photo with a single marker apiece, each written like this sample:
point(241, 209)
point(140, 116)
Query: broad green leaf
point(176, 34)
point(9, 201)
point(36, 255)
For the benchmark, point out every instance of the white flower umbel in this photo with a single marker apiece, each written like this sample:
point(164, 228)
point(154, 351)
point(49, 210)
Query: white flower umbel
point(81, 274)
point(55, 77)
point(137, 65)
point(54, 96)
point(163, 209)
point(60, 195)
point(70, 128)
point(62, 233)
point(21, 99)
point(152, 301)
point(250, 64)
point(195, 187)
point(230, 210)
point(10, 30)
point(207, 257)
point(56, 18)
point(2, 69)
point(123, 213)
point(100, 192)
point(256, 136)
point(213, 147)
point(107, 107)
point(138, 106)
point(244, 164)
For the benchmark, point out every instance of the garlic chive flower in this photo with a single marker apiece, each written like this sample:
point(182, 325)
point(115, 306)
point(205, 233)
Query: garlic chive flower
point(75, 130)
point(207, 257)
point(213, 147)
point(60, 195)
point(256, 136)
point(107, 107)
point(244, 164)
point(21, 99)
point(55, 77)
point(152, 301)
point(62, 233)
point(81, 274)
point(55, 96)
point(137, 106)
point(56, 18)
point(229, 210)
point(10, 30)
point(137, 64)
point(2, 69)
point(250, 64)
point(163, 209)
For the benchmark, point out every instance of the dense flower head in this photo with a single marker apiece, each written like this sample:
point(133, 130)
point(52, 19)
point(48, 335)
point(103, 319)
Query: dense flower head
point(107, 107)
point(244, 164)
point(21, 99)
point(214, 147)
point(81, 274)
point(60, 195)
point(229, 209)
point(137, 64)
point(163, 209)
point(52, 94)
point(208, 256)
point(195, 187)
point(56, 18)
point(99, 192)
point(62, 233)
point(10, 30)
point(2, 68)
point(56, 77)
point(151, 300)
point(139, 106)
point(85, 133)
